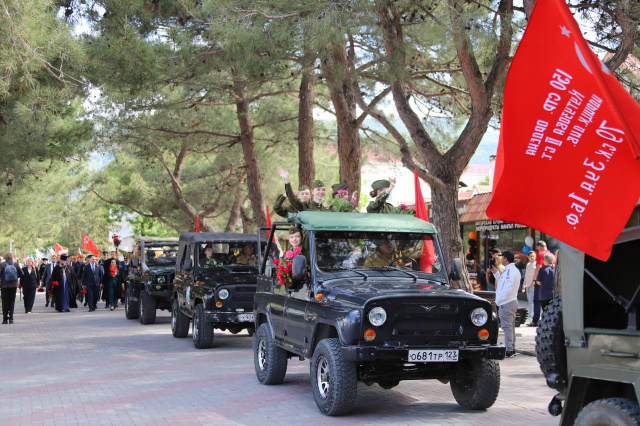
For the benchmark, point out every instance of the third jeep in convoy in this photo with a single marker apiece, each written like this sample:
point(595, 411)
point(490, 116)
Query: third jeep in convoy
point(214, 285)
point(588, 340)
point(150, 281)
point(366, 305)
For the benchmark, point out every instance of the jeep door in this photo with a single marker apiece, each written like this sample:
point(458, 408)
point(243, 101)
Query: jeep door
point(184, 276)
point(297, 331)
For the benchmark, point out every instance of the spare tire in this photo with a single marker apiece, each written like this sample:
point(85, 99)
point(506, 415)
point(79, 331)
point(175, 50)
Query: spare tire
point(550, 350)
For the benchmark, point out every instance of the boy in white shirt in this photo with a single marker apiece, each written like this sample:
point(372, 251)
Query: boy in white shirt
point(507, 285)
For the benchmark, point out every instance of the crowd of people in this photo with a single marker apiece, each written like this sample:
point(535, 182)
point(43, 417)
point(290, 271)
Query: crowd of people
point(65, 280)
point(537, 283)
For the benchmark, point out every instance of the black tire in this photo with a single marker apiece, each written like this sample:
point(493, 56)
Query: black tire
point(269, 360)
point(202, 331)
point(251, 331)
point(130, 307)
point(609, 411)
point(147, 308)
point(550, 350)
point(179, 321)
point(476, 384)
point(334, 381)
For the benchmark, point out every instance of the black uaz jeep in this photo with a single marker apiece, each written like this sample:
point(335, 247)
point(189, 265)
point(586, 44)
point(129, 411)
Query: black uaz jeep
point(360, 307)
point(150, 282)
point(214, 286)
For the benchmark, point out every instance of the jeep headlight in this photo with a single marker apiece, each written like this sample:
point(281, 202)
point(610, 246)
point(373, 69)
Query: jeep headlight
point(377, 316)
point(479, 317)
point(223, 294)
point(160, 280)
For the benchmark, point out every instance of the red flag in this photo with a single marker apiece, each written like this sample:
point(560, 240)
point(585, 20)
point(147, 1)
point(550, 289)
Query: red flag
point(564, 126)
point(58, 248)
point(268, 217)
point(428, 251)
point(197, 223)
point(89, 245)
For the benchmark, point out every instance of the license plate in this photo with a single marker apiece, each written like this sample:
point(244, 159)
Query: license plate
point(433, 355)
point(245, 317)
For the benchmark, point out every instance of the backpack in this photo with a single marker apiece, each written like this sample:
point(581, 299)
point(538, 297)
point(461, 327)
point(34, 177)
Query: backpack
point(10, 273)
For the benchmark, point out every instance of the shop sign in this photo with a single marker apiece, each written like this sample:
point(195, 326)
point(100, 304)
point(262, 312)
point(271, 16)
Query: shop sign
point(497, 225)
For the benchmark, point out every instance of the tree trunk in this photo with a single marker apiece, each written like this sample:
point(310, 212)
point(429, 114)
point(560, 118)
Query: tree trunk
point(247, 222)
point(344, 103)
point(306, 166)
point(254, 178)
point(235, 212)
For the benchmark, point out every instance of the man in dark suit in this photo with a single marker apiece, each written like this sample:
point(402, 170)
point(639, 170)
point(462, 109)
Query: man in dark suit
point(91, 281)
point(46, 279)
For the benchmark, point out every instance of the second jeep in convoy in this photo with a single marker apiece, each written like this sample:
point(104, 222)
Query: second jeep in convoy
point(150, 281)
point(369, 301)
point(214, 285)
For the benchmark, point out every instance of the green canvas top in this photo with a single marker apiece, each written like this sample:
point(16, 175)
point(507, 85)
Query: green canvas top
point(374, 222)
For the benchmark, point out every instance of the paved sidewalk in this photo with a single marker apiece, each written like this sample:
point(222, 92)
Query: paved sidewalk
point(100, 368)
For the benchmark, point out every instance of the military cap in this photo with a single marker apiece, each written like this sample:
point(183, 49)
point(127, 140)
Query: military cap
point(338, 187)
point(294, 229)
point(90, 256)
point(318, 184)
point(303, 188)
point(64, 257)
point(380, 184)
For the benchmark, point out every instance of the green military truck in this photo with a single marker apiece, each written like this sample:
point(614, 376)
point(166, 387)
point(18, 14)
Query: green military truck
point(149, 283)
point(588, 341)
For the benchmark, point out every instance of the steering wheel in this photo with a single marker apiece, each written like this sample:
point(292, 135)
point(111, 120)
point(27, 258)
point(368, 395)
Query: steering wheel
point(410, 259)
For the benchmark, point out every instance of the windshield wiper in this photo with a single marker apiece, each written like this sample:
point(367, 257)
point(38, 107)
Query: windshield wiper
point(362, 274)
point(395, 268)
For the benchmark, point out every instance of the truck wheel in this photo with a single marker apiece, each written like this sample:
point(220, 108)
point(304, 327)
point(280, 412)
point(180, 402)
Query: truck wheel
point(334, 381)
point(476, 384)
point(609, 411)
point(550, 349)
point(179, 321)
point(269, 360)
point(147, 306)
point(202, 330)
point(130, 307)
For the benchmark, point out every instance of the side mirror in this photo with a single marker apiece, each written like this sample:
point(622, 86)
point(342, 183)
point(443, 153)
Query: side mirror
point(187, 264)
point(299, 269)
point(456, 269)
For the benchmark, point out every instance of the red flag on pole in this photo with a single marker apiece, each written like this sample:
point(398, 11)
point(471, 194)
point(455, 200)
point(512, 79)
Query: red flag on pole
point(197, 223)
point(428, 251)
point(59, 249)
point(89, 245)
point(568, 124)
point(268, 217)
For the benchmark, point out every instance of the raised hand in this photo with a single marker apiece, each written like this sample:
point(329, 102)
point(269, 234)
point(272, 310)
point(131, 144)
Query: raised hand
point(284, 174)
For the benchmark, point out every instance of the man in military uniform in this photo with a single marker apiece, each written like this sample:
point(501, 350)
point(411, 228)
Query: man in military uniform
point(304, 194)
point(380, 192)
point(248, 256)
point(387, 251)
point(208, 260)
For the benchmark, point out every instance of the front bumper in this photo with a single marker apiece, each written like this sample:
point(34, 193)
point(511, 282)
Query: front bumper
point(245, 318)
point(373, 353)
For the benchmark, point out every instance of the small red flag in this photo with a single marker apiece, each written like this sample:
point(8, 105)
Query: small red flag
point(572, 128)
point(428, 251)
point(59, 249)
point(89, 245)
point(197, 223)
point(268, 217)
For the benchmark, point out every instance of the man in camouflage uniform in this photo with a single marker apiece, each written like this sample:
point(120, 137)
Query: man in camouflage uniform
point(248, 256)
point(208, 260)
point(387, 251)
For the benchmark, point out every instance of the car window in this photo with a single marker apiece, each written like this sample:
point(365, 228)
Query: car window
point(216, 254)
point(375, 250)
point(157, 255)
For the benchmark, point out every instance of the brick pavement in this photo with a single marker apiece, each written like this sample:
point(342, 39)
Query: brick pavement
point(100, 368)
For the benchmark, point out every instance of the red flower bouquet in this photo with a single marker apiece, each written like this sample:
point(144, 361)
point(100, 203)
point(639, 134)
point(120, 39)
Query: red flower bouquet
point(284, 266)
point(55, 284)
point(83, 291)
point(116, 240)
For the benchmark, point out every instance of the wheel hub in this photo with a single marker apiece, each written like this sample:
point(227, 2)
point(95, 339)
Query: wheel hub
point(173, 319)
point(323, 376)
point(195, 327)
point(262, 354)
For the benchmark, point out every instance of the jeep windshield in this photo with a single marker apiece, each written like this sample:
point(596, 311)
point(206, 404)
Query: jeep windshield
point(220, 254)
point(361, 251)
point(160, 255)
